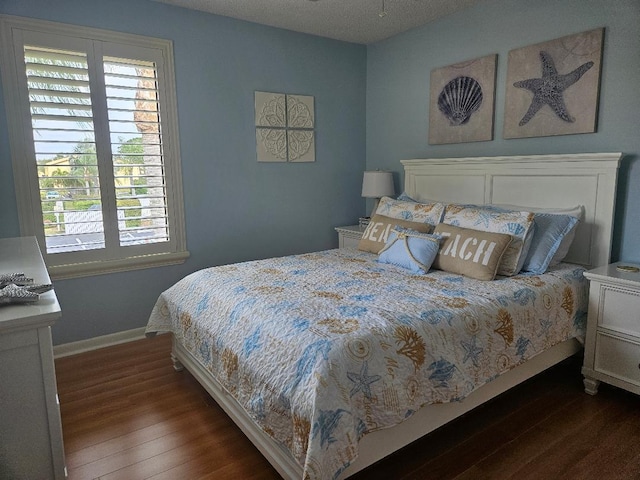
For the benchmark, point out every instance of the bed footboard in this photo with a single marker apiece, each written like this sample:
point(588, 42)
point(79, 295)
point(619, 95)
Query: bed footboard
point(372, 449)
point(281, 460)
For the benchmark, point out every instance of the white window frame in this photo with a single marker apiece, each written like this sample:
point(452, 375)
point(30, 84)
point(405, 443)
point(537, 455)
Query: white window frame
point(107, 260)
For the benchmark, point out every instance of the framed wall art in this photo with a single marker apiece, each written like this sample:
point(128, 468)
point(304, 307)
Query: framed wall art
point(552, 87)
point(462, 101)
point(284, 127)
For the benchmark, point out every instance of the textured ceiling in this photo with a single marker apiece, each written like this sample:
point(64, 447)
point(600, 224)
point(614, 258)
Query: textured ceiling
point(357, 21)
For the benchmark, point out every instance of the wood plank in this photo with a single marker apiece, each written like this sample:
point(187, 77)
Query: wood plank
point(576, 434)
point(505, 416)
point(127, 414)
point(96, 428)
point(172, 425)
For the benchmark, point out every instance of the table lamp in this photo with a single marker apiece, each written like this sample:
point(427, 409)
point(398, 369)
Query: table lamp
point(377, 184)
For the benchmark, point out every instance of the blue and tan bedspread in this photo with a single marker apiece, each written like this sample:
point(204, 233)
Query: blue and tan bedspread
point(324, 347)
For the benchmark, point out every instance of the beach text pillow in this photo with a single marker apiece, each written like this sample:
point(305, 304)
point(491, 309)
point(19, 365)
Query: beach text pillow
point(472, 253)
point(517, 224)
point(377, 232)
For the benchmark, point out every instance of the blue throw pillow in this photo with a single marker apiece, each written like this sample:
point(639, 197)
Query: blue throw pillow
point(550, 229)
point(410, 249)
point(406, 198)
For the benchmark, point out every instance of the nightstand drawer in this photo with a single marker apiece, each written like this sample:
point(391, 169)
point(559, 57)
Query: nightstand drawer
point(349, 237)
point(620, 309)
point(349, 242)
point(618, 358)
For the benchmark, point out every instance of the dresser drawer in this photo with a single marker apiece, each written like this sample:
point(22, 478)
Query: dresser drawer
point(620, 309)
point(618, 358)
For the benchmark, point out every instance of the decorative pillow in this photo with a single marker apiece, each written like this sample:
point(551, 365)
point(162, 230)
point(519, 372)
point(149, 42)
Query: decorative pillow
point(410, 249)
point(577, 211)
point(550, 230)
point(528, 239)
point(567, 238)
point(376, 234)
point(404, 197)
point(564, 247)
point(414, 211)
point(517, 224)
point(472, 253)
point(566, 242)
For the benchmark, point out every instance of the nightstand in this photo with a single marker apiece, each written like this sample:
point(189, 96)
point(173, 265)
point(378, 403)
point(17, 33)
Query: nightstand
point(612, 346)
point(349, 237)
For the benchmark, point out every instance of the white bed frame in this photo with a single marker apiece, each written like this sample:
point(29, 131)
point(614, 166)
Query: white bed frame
point(535, 181)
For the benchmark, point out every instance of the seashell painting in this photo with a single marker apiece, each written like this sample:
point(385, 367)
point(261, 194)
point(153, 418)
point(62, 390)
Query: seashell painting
point(459, 99)
point(462, 101)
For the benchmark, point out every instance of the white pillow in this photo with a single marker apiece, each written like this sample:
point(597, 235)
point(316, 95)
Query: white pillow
point(577, 211)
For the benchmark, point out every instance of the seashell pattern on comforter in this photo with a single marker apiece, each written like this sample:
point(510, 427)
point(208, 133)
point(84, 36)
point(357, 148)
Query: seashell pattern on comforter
point(324, 347)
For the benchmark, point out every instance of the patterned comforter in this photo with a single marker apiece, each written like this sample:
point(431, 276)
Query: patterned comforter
point(322, 348)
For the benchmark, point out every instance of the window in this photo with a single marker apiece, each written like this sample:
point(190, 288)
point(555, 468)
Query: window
point(94, 141)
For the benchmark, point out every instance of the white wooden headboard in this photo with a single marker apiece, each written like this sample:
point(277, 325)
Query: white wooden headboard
point(549, 181)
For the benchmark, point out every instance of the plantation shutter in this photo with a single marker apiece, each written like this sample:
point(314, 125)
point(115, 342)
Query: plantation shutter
point(136, 143)
point(64, 145)
point(95, 155)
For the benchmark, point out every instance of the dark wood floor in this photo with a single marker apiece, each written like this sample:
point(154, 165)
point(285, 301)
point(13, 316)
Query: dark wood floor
point(126, 414)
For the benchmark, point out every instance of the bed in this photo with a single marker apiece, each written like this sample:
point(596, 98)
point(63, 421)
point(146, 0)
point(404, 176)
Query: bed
point(320, 358)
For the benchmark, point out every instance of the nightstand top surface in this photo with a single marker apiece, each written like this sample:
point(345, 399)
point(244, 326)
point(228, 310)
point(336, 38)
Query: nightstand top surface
point(609, 273)
point(351, 228)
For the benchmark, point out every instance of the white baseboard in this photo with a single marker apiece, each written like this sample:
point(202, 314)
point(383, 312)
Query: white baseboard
point(95, 343)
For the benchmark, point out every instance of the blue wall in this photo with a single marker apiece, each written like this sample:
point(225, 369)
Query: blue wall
point(398, 89)
point(236, 209)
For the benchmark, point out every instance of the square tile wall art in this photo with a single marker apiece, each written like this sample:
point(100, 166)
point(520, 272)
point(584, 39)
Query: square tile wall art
point(284, 127)
point(552, 87)
point(462, 102)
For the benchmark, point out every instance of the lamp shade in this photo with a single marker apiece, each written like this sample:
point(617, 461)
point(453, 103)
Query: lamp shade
point(377, 184)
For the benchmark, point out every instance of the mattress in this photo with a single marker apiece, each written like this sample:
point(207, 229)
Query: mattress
point(322, 348)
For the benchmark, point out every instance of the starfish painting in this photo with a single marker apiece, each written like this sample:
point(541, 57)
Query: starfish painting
point(548, 90)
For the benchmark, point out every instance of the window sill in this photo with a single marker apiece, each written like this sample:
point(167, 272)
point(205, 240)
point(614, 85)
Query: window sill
point(77, 270)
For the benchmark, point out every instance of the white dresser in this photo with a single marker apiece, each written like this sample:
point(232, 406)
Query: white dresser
point(31, 445)
point(612, 346)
